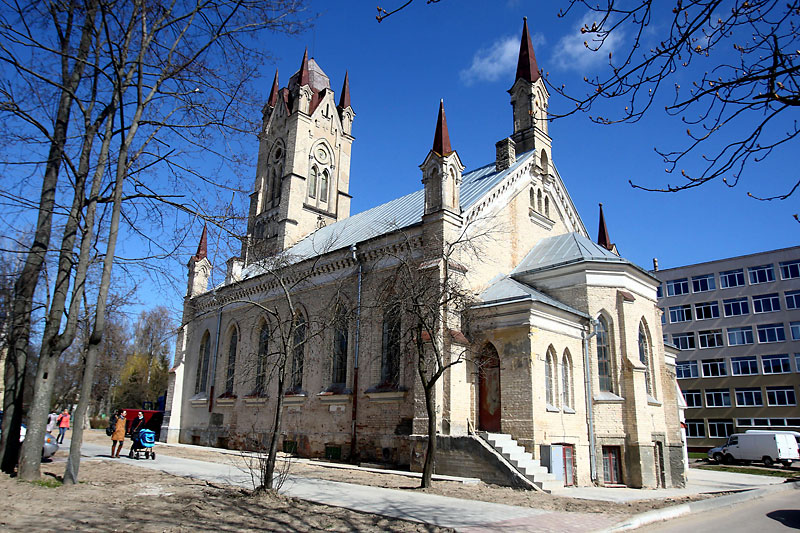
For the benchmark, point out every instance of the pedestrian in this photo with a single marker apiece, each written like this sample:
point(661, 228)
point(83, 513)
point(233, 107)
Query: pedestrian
point(51, 421)
point(63, 425)
point(118, 421)
point(137, 425)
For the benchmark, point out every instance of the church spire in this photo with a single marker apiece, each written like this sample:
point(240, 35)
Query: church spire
point(527, 69)
point(202, 246)
point(344, 98)
point(273, 94)
point(304, 76)
point(602, 232)
point(441, 139)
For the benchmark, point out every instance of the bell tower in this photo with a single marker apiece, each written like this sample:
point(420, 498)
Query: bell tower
point(303, 173)
point(441, 172)
point(529, 100)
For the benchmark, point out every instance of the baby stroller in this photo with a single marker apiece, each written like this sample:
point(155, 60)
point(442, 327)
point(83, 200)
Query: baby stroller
point(143, 442)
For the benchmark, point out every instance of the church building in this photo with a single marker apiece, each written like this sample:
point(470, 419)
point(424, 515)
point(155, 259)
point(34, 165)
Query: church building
point(562, 376)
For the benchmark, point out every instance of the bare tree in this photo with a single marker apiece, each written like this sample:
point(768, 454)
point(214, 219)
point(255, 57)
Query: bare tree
point(155, 58)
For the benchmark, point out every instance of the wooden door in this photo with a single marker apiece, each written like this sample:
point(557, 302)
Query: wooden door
point(611, 465)
point(489, 390)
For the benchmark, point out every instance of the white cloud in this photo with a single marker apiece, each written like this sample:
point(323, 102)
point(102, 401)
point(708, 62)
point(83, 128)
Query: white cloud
point(496, 61)
point(572, 53)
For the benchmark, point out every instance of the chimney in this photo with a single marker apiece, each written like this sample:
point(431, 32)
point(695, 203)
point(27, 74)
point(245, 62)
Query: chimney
point(655, 264)
point(506, 154)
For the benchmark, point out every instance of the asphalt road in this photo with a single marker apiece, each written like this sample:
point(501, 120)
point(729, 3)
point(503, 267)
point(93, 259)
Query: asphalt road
point(778, 512)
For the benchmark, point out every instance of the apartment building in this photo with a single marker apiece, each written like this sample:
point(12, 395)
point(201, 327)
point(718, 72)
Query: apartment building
point(736, 322)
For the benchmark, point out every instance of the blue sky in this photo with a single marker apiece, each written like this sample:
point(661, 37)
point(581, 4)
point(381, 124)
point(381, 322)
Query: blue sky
point(465, 52)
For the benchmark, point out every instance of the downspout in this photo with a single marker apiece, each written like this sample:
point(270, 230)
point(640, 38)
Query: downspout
point(587, 382)
point(353, 442)
point(214, 362)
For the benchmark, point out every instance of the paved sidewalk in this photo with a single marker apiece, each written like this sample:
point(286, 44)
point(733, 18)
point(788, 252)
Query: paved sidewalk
point(464, 515)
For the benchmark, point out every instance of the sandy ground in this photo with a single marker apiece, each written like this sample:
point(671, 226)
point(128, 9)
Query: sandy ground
point(479, 491)
point(113, 496)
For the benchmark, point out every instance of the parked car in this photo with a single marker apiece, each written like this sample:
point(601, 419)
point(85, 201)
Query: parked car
point(50, 446)
point(768, 448)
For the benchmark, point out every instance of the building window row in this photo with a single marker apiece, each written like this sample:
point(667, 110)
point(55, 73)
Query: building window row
point(777, 396)
point(739, 336)
point(768, 422)
point(696, 429)
point(731, 307)
point(740, 366)
point(733, 278)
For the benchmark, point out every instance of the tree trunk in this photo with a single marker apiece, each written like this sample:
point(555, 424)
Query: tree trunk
point(272, 452)
point(25, 286)
point(430, 451)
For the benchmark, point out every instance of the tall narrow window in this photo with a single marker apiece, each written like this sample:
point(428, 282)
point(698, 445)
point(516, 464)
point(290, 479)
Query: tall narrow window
point(312, 182)
point(298, 353)
point(231, 370)
point(550, 377)
point(566, 380)
point(532, 195)
point(323, 186)
point(203, 359)
point(340, 338)
point(539, 201)
point(604, 356)
point(645, 356)
point(547, 206)
point(261, 361)
point(390, 360)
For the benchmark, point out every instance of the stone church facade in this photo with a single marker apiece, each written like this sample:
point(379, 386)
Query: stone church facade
point(566, 334)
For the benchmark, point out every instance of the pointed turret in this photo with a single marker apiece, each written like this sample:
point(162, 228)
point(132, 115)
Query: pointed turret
point(441, 171)
point(273, 94)
point(202, 246)
point(602, 234)
point(441, 139)
point(304, 76)
point(527, 69)
point(344, 98)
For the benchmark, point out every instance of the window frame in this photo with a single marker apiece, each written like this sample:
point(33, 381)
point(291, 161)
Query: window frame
point(759, 301)
point(681, 366)
point(688, 336)
point(692, 426)
point(740, 303)
point(714, 363)
point(705, 335)
point(744, 394)
point(712, 395)
point(727, 424)
point(673, 284)
point(780, 360)
point(697, 281)
point(766, 328)
point(751, 361)
point(725, 277)
point(790, 269)
point(761, 274)
point(788, 393)
point(743, 332)
point(792, 299)
point(706, 308)
point(696, 396)
point(680, 313)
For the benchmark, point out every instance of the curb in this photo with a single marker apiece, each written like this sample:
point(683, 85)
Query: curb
point(675, 511)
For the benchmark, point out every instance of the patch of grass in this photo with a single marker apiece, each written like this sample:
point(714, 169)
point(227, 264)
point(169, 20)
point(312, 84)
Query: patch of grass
point(48, 483)
point(697, 455)
point(746, 470)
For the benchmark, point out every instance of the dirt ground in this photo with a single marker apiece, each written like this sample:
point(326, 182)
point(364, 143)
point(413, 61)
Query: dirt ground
point(479, 491)
point(119, 497)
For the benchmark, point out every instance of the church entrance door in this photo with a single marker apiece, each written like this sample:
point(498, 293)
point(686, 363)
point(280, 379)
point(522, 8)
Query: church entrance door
point(489, 390)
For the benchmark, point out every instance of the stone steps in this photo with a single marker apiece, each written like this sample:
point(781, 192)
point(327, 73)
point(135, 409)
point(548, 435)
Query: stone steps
point(523, 461)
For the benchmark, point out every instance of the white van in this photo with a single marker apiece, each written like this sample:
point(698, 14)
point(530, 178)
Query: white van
point(768, 448)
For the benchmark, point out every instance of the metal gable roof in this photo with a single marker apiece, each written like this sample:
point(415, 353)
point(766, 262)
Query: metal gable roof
point(563, 250)
point(509, 290)
point(394, 215)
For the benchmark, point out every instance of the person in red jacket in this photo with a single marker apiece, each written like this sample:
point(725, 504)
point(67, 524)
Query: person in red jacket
point(63, 425)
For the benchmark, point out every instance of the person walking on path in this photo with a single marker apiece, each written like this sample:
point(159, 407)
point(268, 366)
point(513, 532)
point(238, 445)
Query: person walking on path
point(137, 425)
point(118, 421)
point(51, 421)
point(63, 425)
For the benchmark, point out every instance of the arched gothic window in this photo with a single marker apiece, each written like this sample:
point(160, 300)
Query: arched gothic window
point(323, 187)
point(203, 360)
point(340, 342)
point(645, 356)
point(532, 195)
point(298, 353)
point(539, 200)
point(261, 361)
point(550, 377)
point(604, 363)
point(547, 206)
point(231, 367)
point(567, 394)
point(312, 182)
point(390, 357)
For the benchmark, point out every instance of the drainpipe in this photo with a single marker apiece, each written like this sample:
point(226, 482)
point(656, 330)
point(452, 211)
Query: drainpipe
point(214, 362)
point(587, 382)
point(353, 442)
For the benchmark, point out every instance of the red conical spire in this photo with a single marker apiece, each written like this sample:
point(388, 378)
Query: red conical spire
point(202, 247)
point(602, 232)
point(304, 77)
point(344, 98)
point(273, 94)
point(527, 69)
point(441, 139)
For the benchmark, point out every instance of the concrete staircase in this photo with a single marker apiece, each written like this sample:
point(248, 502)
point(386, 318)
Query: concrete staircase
point(524, 462)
